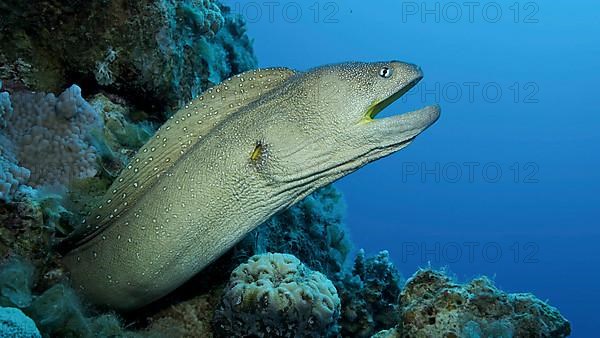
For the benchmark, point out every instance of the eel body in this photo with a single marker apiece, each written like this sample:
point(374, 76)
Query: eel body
point(227, 161)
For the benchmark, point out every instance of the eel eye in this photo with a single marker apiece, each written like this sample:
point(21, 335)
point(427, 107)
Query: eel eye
point(386, 72)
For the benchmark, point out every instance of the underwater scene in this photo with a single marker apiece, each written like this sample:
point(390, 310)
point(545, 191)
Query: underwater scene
point(304, 168)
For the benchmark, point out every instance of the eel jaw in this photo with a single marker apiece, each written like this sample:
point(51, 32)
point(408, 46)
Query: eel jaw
point(378, 106)
point(406, 125)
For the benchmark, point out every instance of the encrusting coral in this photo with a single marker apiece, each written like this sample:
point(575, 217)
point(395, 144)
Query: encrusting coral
point(275, 295)
point(434, 306)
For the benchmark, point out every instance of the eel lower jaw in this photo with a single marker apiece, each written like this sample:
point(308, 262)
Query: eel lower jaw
point(416, 120)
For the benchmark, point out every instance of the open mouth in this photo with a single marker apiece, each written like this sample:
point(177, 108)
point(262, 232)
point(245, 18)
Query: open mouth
point(418, 119)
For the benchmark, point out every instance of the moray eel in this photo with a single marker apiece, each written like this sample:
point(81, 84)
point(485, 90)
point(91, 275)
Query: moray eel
point(244, 150)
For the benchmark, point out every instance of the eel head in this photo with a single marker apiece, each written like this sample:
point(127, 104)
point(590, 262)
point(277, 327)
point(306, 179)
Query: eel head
point(325, 125)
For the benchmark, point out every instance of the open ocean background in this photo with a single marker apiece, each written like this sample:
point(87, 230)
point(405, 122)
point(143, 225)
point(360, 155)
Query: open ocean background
point(507, 183)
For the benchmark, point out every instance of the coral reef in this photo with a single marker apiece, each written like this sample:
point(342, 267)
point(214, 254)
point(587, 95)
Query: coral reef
point(434, 306)
point(190, 318)
point(59, 141)
point(5, 106)
point(48, 136)
point(370, 296)
point(16, 281)
point(15, 324)
point(61, 145)
point(314, 231)
point(12, 176)
point(57, 311)
point(158, 53)
point(275, 295)
point(125, 130)
point(23, 233)
point(391, 333)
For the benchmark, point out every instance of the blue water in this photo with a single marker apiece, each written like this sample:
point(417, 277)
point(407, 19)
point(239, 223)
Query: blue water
point(506, 183)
